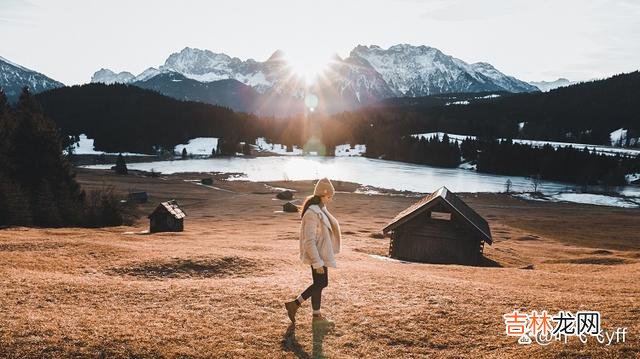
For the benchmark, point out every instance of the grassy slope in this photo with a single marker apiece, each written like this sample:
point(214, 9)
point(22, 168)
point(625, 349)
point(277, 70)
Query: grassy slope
point(216, 290)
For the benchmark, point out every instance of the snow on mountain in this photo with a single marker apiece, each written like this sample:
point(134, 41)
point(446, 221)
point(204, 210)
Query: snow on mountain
point(368, 75)
point(356, 82)
point(414, 71)
point(14, 77)
point(207, 66)
point(108, 77)
point(146, 74)
point(546, 86)
point(509, 83)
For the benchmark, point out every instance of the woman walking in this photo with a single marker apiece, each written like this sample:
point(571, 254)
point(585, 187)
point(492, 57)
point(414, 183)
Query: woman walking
point(319, 243)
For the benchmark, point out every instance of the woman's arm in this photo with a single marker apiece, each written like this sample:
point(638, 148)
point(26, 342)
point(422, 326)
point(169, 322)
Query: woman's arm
point(310, 237)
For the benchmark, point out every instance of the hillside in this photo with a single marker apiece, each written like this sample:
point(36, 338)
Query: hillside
point(230, 93)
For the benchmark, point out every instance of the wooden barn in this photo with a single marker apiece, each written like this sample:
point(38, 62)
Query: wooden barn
point(167, 217)
point(439, 228)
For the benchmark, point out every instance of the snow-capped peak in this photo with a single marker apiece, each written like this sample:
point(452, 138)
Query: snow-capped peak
point(107, 76)
point(208, 66)
point(368, 74)
point(422, 70)
point(146, 74)
point(277, 55)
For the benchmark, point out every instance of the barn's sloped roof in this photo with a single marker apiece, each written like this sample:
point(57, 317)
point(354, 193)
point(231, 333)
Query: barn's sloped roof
point(449, 199)
point(171, 207)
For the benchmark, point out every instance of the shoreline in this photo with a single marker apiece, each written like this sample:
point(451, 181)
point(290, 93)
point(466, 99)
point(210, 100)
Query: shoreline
point(615, 200)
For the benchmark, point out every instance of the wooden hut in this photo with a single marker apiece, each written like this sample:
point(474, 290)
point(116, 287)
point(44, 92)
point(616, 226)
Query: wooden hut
point(167, 217)
point(439, 228)
point(138, 197)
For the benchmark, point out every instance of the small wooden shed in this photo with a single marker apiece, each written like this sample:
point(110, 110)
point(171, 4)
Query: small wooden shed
point(167, 217)
point(138, 197)
point(439, 228)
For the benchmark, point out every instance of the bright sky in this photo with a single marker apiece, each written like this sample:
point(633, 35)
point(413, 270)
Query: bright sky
point(532, 40)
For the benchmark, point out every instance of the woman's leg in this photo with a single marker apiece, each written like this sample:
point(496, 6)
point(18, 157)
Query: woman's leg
point(320, 282)
point(314, 291)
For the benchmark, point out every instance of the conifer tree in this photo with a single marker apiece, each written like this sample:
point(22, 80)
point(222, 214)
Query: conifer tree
point(121, 165)
point(38, 165)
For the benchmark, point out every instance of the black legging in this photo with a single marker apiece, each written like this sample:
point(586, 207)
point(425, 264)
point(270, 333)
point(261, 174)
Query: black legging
point(315, 290)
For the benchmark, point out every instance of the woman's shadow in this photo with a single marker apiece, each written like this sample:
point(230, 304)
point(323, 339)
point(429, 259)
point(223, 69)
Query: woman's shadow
point(290, 343)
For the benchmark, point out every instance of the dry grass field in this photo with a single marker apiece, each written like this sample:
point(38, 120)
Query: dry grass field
point(216, 289)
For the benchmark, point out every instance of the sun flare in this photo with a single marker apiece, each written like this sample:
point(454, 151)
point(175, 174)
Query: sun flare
point(308, 65)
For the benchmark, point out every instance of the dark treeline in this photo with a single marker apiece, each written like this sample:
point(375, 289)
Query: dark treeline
point(428, 151)
point(123, 118)
point(37, 186)
point(567, 164)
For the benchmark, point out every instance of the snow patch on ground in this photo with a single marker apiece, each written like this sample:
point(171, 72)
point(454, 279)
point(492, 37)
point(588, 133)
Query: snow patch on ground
point(632, 177)
point(488, 96)
point(347, 150)
point(199, 146)
point(277, 148)
point(463, 102)
point(452, 137)
point(467, 166)
point(85, 147)
point(367, 190)
point(618, 137)
point(383, 258)
point(585, 198)
point(344, 150)
point(607, 150)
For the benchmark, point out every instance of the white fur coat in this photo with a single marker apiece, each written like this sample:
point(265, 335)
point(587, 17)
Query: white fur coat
point(319, 237)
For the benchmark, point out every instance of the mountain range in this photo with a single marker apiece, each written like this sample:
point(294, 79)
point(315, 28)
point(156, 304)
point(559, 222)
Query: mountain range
point(271, 87)
point(14, 77)
point(368, 75)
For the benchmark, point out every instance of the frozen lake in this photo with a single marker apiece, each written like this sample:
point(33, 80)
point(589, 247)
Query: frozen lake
point(366, 171)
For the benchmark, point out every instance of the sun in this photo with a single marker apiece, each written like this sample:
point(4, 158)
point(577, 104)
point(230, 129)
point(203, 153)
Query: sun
point(307, 65)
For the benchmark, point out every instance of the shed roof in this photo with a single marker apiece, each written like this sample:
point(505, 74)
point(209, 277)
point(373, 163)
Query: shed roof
point(171, 207)
point(449, 199)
